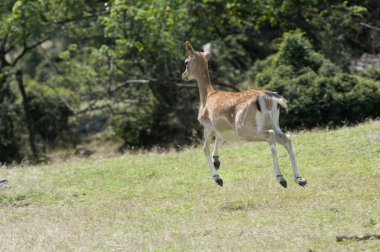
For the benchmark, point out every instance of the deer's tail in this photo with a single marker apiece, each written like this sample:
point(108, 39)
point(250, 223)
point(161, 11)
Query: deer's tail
point(270, 102)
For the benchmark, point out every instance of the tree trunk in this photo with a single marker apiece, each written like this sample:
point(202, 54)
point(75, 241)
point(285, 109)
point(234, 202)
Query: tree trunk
point(28, 116)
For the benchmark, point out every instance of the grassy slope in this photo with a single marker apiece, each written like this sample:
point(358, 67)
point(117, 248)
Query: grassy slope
point(169, 201)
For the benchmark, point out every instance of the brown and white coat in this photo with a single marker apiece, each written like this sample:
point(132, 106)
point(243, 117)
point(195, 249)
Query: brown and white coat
point(251, 115)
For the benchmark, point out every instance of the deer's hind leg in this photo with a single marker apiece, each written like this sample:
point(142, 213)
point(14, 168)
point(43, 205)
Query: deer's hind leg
point(272, 142)
point(287, 142)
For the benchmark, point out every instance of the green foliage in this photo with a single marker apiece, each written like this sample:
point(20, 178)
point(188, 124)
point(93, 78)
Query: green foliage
point(25, 26)
point(135, 125)
point(123, 60)
point(372, 73)
point(132, 130)
point(296, 51)
point(318, 92)
point(10, 149)
point(332, 26)
point(50, 118)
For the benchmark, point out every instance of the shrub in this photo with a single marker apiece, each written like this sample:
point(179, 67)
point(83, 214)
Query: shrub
point(50, 117)
point(295, 50)
point(319, 94)
point(133, 130)
point(372, 73)
point(10, 147)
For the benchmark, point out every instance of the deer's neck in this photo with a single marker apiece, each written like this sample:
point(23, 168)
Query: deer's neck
point(204, 85)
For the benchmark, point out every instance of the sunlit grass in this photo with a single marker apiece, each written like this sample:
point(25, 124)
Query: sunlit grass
point(168, 202)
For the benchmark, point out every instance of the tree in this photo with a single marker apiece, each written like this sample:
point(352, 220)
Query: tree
point(119, 63)
point(24, 26)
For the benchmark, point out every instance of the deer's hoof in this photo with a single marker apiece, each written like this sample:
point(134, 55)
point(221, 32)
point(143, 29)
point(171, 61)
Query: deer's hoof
point(301, 181)
point(218, 180)
point(282, 181)
point(216, 162)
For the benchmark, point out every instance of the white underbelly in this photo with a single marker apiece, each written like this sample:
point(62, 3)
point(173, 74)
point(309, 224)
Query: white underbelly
point(229, 135)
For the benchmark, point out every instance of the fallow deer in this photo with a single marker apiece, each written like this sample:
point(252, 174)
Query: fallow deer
point(251, 115)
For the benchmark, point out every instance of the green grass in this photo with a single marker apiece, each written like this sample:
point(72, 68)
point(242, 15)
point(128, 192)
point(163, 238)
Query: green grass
point(168, 202)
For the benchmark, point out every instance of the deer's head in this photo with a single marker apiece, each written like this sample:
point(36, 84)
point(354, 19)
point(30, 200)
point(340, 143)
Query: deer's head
point(196, 62)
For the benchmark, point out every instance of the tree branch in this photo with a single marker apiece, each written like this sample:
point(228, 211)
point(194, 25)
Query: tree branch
point(370, 26)
point(4, 43)
point(80, 18)
point(26, 49)
point(63, 100)
point(92, 107)
point(340, 238)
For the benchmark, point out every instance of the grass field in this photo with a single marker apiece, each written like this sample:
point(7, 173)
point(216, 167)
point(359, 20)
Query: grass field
point(169, 202)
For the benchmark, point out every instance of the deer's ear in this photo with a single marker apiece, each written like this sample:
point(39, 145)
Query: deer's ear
point(189, 48)
point(207, 51)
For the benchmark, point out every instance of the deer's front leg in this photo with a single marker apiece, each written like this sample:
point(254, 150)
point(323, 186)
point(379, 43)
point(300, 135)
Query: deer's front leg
point(206, 149)
point(215, 154)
